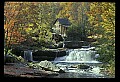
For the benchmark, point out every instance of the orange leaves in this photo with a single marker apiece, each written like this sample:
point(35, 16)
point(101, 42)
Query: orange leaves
point(14, 37)
point(10, 24)
point(12, 34)
point(11, 9)
point(10, 12)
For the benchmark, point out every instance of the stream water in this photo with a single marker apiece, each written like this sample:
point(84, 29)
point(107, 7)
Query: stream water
point(70, 63)
point(75, 57)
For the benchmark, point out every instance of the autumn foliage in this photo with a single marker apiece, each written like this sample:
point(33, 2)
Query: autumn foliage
point(12, 34)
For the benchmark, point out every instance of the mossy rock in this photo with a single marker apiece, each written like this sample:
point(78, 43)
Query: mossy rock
point(49, 66)
point(20, 59)
point(9, 59)
point(13, 59)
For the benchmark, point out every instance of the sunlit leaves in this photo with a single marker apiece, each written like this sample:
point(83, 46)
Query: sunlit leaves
point(105, 26)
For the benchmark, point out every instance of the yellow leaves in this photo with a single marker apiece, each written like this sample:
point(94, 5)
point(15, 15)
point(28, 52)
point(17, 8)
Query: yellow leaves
point(103, 15)
point(28, 30)
point(67, 15)
point(66, 9)
point(96, 25)
point(31, 24)
point(49, 13)
point(104, 19)
point(63, 3)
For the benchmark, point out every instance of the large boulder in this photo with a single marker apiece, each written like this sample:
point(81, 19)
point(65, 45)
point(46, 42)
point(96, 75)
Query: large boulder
point(47, 65)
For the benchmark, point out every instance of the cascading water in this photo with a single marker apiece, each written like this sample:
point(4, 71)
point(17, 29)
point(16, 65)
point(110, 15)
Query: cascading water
point(28, 55)
point(75, 57)
point(83, 55)
point(80, 55)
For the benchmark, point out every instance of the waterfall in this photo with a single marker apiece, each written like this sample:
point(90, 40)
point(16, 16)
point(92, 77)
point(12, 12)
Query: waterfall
point(63, 42)
point(28, 55)
point(82, 55)
point(60, 58)
point(81, 62)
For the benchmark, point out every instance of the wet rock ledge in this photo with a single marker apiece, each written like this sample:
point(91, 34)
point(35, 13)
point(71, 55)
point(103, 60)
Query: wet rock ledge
point(42, 69)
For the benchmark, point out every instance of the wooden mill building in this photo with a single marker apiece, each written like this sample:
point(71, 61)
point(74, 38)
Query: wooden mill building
point(60, 26)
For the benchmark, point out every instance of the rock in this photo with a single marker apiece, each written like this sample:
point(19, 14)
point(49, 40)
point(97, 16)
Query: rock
point(61, 71)
point(18, 70)
point(49, 66)
point(83, 66)
point(9, 59)
point(20, 59)
point(74, 66)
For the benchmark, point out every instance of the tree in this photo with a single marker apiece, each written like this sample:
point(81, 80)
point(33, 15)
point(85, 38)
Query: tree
point(12, 35)
point(76, 13)
point(102, 20)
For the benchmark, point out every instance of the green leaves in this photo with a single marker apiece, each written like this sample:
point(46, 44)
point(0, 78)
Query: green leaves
point(102, 19)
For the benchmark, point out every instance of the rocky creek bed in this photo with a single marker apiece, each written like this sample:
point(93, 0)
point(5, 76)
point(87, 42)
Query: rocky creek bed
point(22, 70)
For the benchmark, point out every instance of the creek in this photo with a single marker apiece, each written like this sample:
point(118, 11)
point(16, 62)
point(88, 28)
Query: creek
point(74, 59)
point(77, 63)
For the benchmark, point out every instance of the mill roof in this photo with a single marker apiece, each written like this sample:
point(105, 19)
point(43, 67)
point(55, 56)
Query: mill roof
point(63, 21)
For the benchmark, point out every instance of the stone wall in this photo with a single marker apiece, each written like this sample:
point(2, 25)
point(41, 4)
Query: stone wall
point(48, 54)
